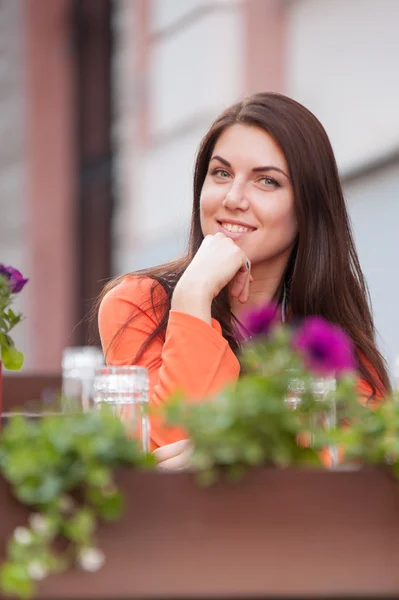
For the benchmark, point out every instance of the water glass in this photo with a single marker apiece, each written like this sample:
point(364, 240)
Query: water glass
point(295, 390)
point(323, 390)
point(79, 365)
point(125, 390)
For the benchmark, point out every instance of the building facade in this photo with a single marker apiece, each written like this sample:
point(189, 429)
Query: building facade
point(175, 65)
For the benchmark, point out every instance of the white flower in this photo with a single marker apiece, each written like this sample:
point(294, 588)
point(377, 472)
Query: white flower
point(39, 524)
point(91, 559)
point(23, 536)
point(37, 570)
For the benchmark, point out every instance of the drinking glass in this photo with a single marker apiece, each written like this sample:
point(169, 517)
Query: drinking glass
point(295, 390)
point(79, 365)
point(323, 390)
point(125, 390)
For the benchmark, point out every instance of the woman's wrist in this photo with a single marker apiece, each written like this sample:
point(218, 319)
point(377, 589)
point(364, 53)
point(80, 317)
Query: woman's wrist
point(191, 300)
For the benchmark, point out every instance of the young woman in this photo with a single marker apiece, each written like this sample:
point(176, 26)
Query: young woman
point(269, 222)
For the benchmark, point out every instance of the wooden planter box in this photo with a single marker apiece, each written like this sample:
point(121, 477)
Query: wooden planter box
point(291, 534)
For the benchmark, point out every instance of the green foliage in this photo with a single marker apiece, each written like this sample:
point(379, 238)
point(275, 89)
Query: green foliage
point(259, 422)
point(254, 423)
point(11, 357)
point(372, 437)
point(63, 467)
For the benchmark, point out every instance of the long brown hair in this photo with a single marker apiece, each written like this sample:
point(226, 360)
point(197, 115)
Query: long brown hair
point(323, 276)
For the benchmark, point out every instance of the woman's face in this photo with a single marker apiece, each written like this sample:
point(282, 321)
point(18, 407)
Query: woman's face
point(247, 195)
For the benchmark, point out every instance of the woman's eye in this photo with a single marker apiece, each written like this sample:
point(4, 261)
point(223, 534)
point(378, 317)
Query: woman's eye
point(221, 173)
point(269, 181)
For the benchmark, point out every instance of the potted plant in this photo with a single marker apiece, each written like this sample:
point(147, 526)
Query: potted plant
point(296, 381)
point(290, 527)
point(11, 283)
point(63, 467)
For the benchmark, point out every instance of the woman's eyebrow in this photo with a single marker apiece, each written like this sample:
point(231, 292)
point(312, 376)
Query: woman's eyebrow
point(255, 170)
point(269, 168)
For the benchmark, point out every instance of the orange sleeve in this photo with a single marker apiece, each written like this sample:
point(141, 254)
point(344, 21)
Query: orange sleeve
point(366, 396)
point(194, 357)
point(364, 391)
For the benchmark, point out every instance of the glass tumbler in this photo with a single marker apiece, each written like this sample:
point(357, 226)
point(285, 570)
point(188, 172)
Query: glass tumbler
point(79, 366)
point(125, 390)
point(323, 390)
point(294, 393)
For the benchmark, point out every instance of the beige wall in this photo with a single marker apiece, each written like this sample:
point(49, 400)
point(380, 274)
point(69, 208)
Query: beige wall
point(374, 207)
point(342, 63)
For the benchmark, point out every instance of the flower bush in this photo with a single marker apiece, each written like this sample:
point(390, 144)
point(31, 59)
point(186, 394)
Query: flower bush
point(11, 283)
point(309, 368)
point(62, 466)
point(276, 415)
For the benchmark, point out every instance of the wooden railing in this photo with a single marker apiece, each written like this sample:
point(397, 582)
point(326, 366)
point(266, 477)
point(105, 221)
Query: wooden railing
point(276, 534)
point(30, 391)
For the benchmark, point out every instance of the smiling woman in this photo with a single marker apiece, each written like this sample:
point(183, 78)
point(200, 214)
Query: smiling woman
point(248, 196)
point(269, 223)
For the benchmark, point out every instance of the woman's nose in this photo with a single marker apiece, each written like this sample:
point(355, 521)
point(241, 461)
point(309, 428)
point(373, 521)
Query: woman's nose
point(236, 197)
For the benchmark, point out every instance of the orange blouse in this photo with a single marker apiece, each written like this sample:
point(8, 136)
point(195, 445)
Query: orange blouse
point(193, 357)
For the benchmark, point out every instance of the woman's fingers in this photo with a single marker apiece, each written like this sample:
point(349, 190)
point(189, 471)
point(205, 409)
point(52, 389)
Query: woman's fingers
point(216, 264)
point(246, 265)
point(174, 456)
point(170, 450)
point(177, 463)
point(244, 295)
point(240, 284)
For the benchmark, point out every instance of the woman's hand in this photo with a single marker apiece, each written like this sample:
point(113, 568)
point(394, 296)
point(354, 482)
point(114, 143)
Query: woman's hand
point(174, 457)
point(218, 262)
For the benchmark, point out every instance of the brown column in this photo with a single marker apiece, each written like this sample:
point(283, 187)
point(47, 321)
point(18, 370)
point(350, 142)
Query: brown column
point(50, 216)
point(264, 46)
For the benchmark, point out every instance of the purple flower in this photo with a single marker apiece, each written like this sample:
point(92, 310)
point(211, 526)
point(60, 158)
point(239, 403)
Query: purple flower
point(260, 320)
point(325, 348)
point(14, 278)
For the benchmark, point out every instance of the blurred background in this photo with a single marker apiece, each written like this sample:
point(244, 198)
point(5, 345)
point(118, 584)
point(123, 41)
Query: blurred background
point(102, 107)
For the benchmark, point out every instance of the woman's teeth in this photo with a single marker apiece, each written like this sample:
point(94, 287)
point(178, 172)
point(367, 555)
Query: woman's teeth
point(235, 228)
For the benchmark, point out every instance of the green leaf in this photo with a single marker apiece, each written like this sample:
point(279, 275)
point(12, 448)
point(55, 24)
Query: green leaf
point(309, 457)
point(14, 580)
point(13, 319)
point(98, 476)
point(12, 358)
point(80, 527)
point(110, 507)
